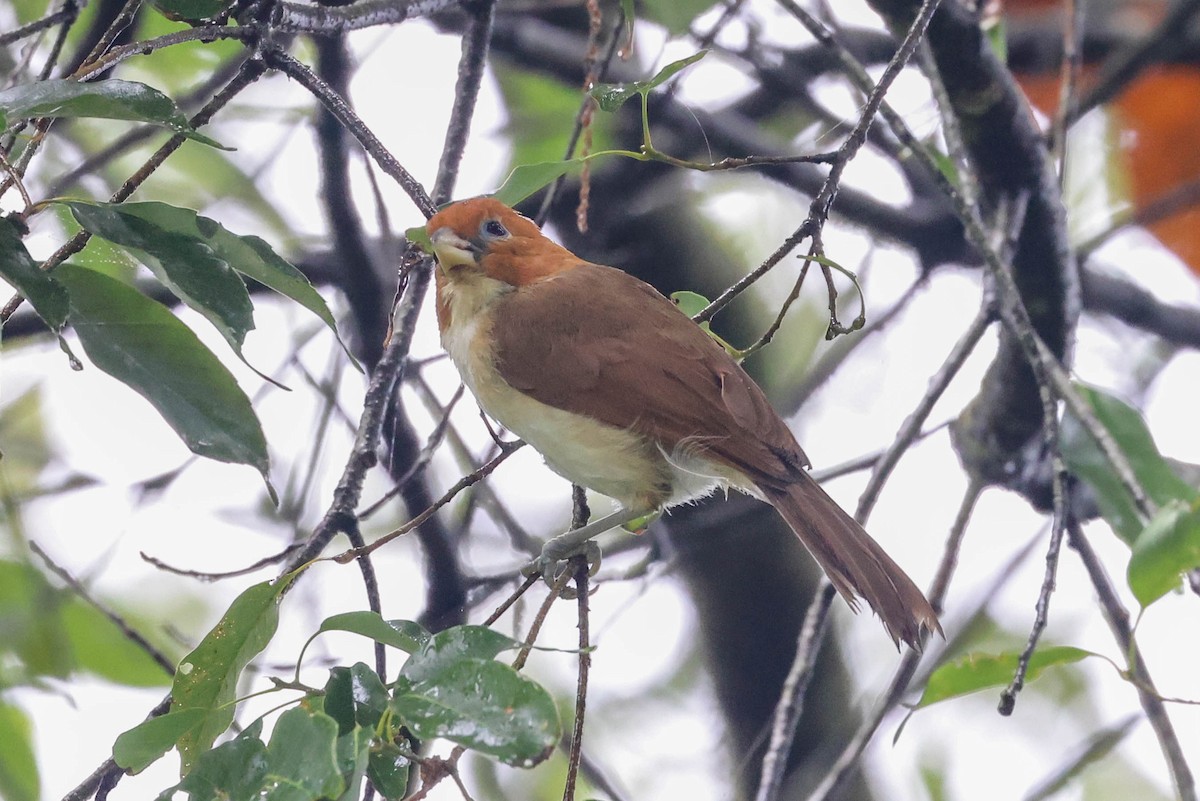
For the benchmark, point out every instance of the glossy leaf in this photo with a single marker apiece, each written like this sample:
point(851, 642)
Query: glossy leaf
point(402, 634)
point(611, 96)
point(302, 757)
point(198, 259)
point(354, 696)
point(47, 296)
point(112, 99)
point(975, 672)
point(18, 769)
point(486, 706)
point(1128, 430)
point(526, 179)
point(1167, 548)
point(141, 746)
point(447, 648)
point(387, 768)
point(139, 342)
point(233, 771)
point(207, 677)
point(179, 253)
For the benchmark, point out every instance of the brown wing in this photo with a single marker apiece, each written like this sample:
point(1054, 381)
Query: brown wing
point(596, 341)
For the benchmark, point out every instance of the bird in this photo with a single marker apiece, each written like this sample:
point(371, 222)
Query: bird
point(622, 393)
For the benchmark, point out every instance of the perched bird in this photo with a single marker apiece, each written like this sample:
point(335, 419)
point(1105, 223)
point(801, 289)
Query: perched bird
point(622, 393)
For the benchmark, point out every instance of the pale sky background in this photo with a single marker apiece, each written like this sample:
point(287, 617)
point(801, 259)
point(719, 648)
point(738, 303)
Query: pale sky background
point(644, 628)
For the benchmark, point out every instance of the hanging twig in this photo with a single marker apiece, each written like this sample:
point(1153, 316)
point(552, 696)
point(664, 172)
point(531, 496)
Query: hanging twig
point(791, 698)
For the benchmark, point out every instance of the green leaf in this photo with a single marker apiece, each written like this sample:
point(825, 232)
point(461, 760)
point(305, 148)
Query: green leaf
point(975, 672)
point(420, 237)
point(526, 179)
point(402, 634)
point(23, 439)
point(1128, 430)
point(111, 99)
point(539, 112)
point(1093, 752)
point(18, 767)
point(302, 756)
point(207, 677)
point(177, 250)
point(1167, 548)
point(17, 267)
point(449, 647)
point(233, 771)
point(102, 648)
point(691, 304)
point(353, 753)
point(354, 696)
point(611, 96)
point(387, 768)
point(997, 36)
point(190, 9)
point(675, 15)
point(141, 746)
point(32, 624)
point(196, 258)
point(486, 706)
point(139, 342)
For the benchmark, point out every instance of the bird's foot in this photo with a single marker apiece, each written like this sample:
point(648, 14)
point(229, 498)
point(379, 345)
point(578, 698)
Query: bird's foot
point(555, 560)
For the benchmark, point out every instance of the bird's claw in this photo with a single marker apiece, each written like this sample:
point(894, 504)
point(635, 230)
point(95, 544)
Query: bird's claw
point(554, 561)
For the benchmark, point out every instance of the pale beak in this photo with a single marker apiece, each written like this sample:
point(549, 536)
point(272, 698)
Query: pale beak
point(452, 250)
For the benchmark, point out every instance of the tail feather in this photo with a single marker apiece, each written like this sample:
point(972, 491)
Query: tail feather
point(856, 565)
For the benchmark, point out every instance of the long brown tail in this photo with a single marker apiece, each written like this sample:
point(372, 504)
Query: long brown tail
point(854, 562)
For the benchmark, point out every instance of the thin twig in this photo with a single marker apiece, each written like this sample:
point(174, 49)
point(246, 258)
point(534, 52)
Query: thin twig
point(585, 661)
point(108, 768)
point(371, 585)
point(250, 71)
point(471, 65)
point(66, 13)
point(1072, 59)
point(848, 760)
point(510, 600)
point(460, 485)
point(277, 59)
point(121, 21)
point(791, 698)
point(535, 627)
point(1120, 70)
point(204, 33)
point(273, 559)
point(131, 634)
point(322, 20)
point(822, 203)
point(594, 72)
point(1117, 618)
point(423, 458)
point(911, 426)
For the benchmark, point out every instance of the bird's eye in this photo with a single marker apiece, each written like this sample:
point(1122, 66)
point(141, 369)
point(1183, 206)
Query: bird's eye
point(494, 228)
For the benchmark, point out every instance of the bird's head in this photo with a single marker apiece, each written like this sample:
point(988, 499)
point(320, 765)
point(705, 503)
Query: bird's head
point(484, 237)
point(485, 250)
